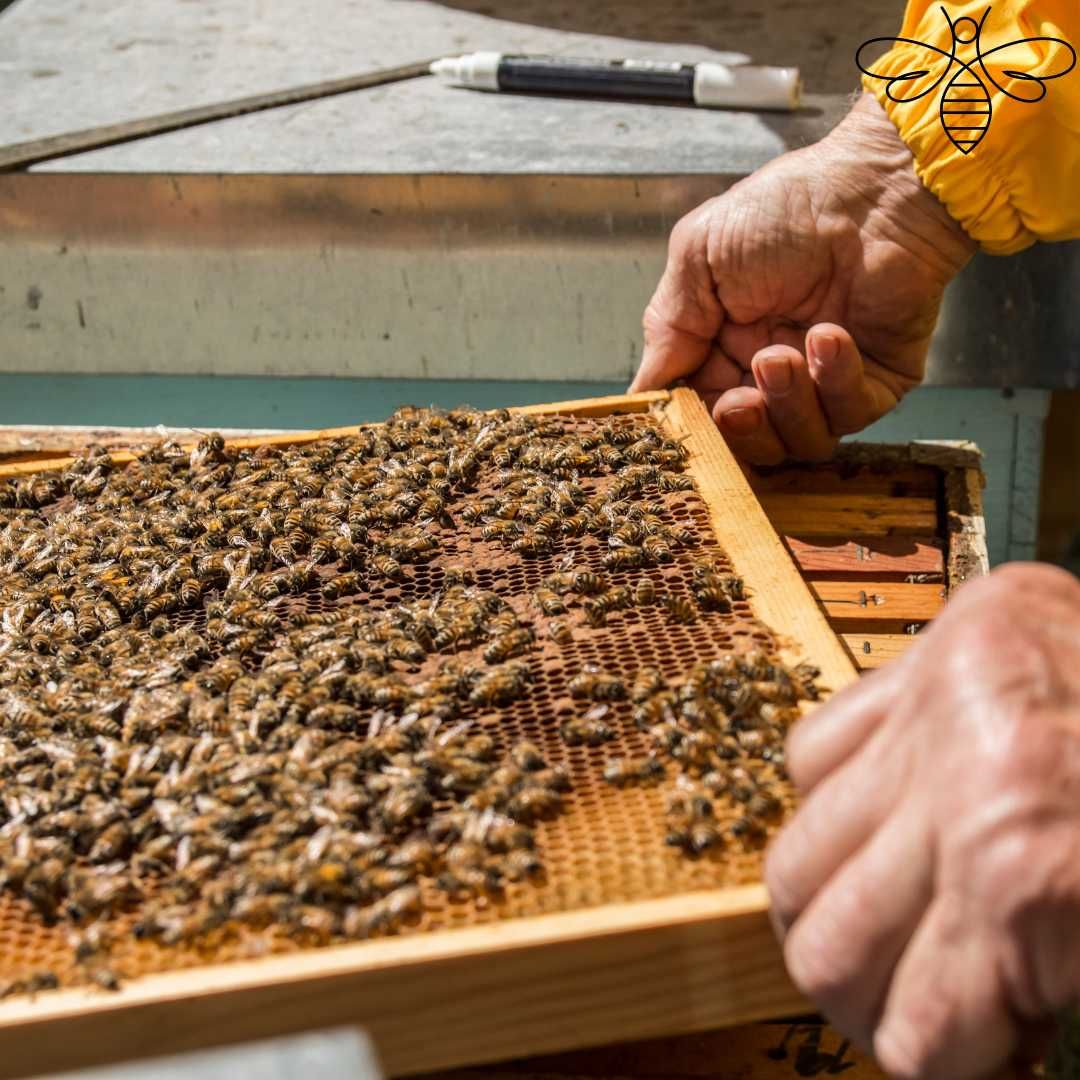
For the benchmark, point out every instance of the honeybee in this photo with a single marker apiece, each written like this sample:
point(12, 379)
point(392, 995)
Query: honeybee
point(647, 682)
point(695, 837)
point(501, 685)
point(507, 645)
point(595, 613)
point(587, 582)
point(522, 864)
point(623, 771)
point(629, 557)
point(711, 596)
point(387, 566)
point(531, 804)
point(748, 830)
point(679, 608)
point(560, 582)
point(532, 544)
point(590, 730)
point(598, 685)
point(656, 549)
point(559, 630)
point(526, 756)
point(551, 603)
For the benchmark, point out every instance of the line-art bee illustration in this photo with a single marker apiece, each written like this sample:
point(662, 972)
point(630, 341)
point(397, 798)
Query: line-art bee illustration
point(966, 106)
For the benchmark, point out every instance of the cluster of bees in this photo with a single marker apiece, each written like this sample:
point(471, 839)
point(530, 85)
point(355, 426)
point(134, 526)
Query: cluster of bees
point(212, 716)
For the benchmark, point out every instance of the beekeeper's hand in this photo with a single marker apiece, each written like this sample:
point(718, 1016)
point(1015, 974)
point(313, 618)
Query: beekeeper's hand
point(928, 890)
point(800, 303)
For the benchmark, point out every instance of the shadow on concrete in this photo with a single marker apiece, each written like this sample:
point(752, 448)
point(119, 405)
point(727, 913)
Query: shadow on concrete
point(821, 38)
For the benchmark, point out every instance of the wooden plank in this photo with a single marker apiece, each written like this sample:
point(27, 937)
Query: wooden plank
point(687, 963)
point(836, 479)
point(968, 557)
point(851, 515)
point(24, 154)
point(879, 601)
point(869, 555)
point(779, 595)
point(873, 650)
point(603, 406)
point(600, 406)
point(764, 1051)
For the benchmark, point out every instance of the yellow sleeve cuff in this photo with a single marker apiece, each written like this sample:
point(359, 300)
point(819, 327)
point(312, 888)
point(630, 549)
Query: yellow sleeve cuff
point(969, 185)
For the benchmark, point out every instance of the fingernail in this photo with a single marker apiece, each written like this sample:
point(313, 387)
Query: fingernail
point(824, 349)
point(775, 373)
point(742, 421)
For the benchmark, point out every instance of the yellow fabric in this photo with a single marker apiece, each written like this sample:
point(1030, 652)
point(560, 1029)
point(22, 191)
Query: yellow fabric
point(1021, 183)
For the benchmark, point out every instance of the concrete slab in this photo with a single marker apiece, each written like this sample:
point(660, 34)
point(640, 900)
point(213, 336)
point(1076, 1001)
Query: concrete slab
point(69, 64)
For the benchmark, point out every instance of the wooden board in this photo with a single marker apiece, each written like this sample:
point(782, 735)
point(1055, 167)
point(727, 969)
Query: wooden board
point(867, 556)
point(880, 601)
point(804, 1047)
point(779, 595)
point(431, 1001)
point(874, 650)
point(850, 515)
point(683, 963)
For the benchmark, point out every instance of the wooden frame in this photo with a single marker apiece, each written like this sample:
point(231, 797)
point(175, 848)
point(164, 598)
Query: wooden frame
point(679, 964)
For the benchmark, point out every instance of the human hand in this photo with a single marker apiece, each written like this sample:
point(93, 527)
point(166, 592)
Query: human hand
point(928, 890)
point(800, 303)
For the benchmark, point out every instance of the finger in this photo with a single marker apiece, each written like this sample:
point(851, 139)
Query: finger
point(832, 824)
point(740, 414)
point(743, 341)
point(842, 950)
point(945, 1015)
point(715, 377)
point(684, 315)
point(824, 740)
point(849, 399)
point(784, 379)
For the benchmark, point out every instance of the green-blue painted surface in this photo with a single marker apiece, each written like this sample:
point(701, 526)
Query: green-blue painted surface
point(207, 401)
point(1006, 427)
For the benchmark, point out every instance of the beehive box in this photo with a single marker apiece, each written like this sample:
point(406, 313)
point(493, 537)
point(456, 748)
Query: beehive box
point(552, 980)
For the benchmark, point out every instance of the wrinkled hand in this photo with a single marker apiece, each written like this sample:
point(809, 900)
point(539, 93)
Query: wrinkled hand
point(801, 302)
point(928, 890)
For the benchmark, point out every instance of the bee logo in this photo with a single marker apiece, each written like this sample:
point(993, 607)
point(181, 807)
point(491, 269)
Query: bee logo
point(966, 105)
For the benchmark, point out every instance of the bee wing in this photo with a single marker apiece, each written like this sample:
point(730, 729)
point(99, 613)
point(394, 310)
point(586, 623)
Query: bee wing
point(911, 85)
point(1013, 60)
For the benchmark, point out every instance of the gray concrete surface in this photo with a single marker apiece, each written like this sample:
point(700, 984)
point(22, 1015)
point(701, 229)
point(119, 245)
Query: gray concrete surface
point(70, 64)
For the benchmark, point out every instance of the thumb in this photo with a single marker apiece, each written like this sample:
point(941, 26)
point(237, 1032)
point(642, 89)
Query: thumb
point(685, 314)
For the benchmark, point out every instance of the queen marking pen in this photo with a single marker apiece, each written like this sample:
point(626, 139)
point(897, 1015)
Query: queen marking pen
point(712, 85)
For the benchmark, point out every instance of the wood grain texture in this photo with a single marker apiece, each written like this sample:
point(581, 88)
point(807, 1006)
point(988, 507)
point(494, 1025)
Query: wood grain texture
point(777, 592)
point(966, 526)
point(870, 651)
point(879, 600)
point(602, 406)
point(869, 556)
point(22, 155)
point(552, 982)
point(850, 515)
point(834, 479)
point(765, 1051)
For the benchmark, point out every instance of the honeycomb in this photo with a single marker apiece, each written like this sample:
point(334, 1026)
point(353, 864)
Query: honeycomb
point(608, 843)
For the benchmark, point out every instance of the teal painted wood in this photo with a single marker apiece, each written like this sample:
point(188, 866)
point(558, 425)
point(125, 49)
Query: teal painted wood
point(256, 402)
